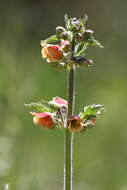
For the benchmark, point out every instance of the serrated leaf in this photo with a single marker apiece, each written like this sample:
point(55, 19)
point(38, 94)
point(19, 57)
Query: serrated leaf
point(95, 109)
point(37, 107)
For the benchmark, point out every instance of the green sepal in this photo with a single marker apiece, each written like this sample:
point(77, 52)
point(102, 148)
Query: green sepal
point(37, 107)
point(91, 110)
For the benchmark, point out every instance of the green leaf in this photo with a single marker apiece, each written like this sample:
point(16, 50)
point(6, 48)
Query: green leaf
point(96, 43)
point(66, 21)
point(37, 107)
point(84, 20)
point(50, 39)
point(81, 48)
point(50, 106)
point(78, 47)
point(88, 111)
point(93, 42)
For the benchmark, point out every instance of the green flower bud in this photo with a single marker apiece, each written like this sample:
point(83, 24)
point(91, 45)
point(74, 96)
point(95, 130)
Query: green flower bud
point(76, 25)
point(88, 35)
point(60, 30)
point(79, 37)
point(64, 36)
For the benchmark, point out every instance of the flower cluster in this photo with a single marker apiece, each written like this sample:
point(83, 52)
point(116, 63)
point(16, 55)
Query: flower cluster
point(68, 46)
point(53, 114)
point(65, 49)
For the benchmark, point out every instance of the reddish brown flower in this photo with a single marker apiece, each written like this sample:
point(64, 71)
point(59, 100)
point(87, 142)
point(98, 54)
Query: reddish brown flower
point(44, 120)
point(75, 124)
point(52, 53)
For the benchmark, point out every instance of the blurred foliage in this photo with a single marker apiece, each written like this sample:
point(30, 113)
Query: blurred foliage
point(31, 158)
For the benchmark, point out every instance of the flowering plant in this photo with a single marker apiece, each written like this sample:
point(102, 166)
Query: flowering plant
point(67, 50)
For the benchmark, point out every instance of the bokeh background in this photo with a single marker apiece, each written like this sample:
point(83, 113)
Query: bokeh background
point(32, 158)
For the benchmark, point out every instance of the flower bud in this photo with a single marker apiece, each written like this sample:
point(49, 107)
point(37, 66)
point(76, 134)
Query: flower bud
point(83, 62)
point(88, 35)
point(65, 45)
point(44, 120)
point(75, 25)
point(52, 53)
point(59, 102)
point(89, 62)
point(64, 36)
point(60, 30)
point(90, 32)
point(75, 123)
point(79, 37)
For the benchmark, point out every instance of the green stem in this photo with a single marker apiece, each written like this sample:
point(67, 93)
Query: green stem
point(68, 144)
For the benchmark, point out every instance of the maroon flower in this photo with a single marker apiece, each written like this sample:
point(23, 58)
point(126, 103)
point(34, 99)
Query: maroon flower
point(75, 123)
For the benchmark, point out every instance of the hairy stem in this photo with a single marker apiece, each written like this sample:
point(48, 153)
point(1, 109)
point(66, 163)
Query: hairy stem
point(68, 143)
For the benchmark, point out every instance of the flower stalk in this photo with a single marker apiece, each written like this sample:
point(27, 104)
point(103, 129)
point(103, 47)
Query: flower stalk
point(67, 50)
point(68, 142)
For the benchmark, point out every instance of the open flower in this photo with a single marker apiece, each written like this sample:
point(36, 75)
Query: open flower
point(44, 119)
point(52, 53)
point(75, 123)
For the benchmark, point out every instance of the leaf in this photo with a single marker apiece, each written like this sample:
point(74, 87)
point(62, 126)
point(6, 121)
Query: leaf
point(78, 47)
point(66, 21)
point(88, 111)
point(84, 20)
point(81, 49)
point(96, 43)
point(50, 39)
point(52, 107)
point(37, 107)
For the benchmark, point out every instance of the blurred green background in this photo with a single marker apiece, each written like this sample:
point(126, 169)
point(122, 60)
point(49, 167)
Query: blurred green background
point(32, 158)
